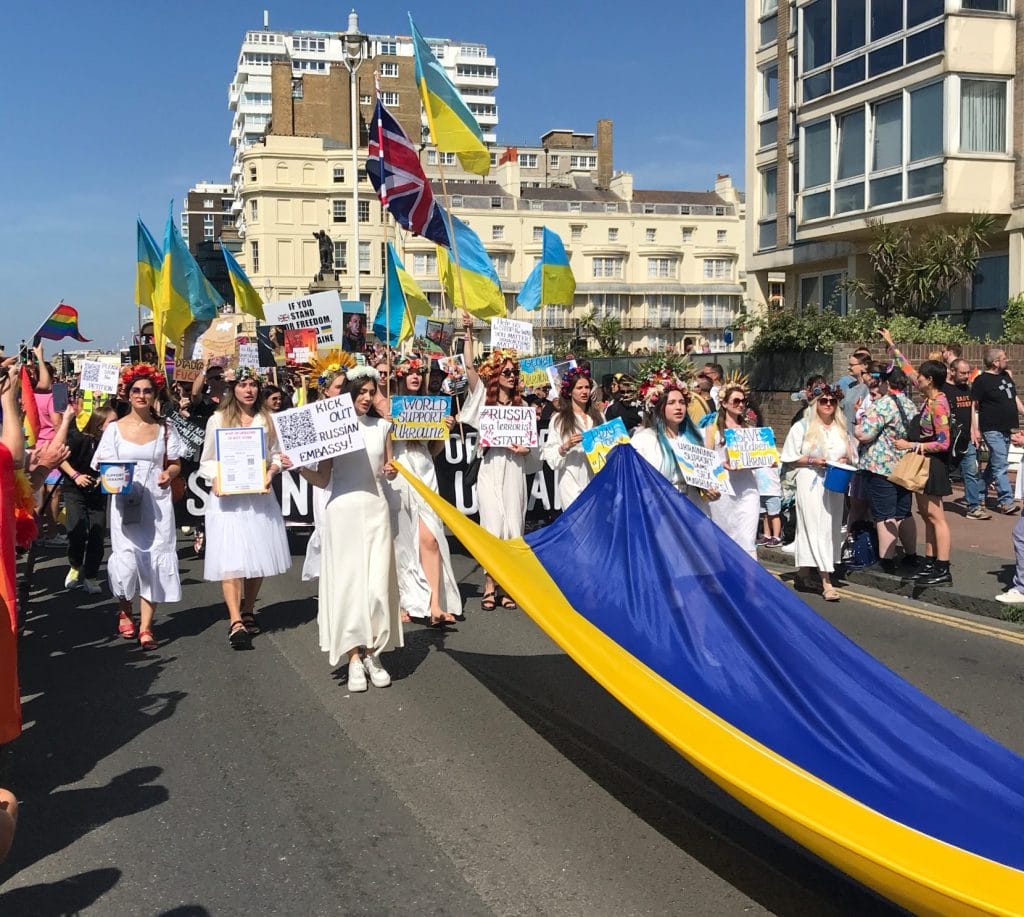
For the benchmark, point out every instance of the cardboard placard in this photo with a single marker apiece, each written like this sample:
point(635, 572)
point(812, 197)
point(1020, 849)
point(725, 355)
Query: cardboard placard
point(190, 433)
point(751, 447)
point(187, 370)
point(99, 377)
point(319, 311)
point(241, 460)
point(504, 425)
point(219, 344)
point(299, 346)
point(420, 416)
point(555, 374)
point(599, 441)
point(507, 333)
point(321, 430)
point(248, 352)
point(353, 337)
point(534, 370)
point(439, 333)
point(701, 467)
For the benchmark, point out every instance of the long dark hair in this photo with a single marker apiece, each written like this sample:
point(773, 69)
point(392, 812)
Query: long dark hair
point(565, 413)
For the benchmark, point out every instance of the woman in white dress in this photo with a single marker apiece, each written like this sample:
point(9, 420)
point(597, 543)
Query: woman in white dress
point(818, 438)
point(245, 534)
point(501, 481)
point(358, 609)
point(737, 514)
point(426, 582)
point(564, 450)
point(143, 550)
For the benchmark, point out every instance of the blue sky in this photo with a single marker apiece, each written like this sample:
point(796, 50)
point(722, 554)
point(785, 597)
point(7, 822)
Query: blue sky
point(111, 109)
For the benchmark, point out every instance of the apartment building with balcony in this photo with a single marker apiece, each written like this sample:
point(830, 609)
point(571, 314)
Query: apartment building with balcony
point(903, 111)
point(667, 264)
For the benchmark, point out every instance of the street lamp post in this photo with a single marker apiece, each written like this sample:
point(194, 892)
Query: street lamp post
point(356, 45)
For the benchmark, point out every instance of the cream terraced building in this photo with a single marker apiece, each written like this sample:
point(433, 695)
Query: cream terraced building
point(906, 111)
point(667, 264)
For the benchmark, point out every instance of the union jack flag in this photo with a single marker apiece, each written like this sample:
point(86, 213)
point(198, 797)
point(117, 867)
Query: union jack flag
point(404, 190)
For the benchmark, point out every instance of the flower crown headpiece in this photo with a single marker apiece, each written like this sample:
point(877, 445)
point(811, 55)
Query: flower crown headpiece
point(569, 381)
point(143, 371)
point(736, 380)
point(336, 361)
point(822, 388)
point(362, 372)
point(492, 365)
point(656, 378)
point(409, 366)
point(245, 373)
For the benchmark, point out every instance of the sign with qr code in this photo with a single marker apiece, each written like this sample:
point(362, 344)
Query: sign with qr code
point(321, 430)
point(99, 377)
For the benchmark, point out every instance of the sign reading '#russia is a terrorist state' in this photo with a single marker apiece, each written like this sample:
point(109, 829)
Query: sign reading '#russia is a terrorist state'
point(508, 425)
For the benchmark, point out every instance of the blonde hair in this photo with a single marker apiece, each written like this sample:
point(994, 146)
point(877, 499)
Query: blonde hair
point(815, 434)
point(233, 414)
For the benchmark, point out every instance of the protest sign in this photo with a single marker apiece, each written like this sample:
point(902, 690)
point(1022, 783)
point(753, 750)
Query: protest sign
point(599, 441)
point(701, 467)
point(270, 342)
point(241, 460)
point(321, 430)
point(439, 333)
point(190, 433)
point(299, 346)
point(218, 342)
point(248, 353)
point(187, 370)
point(555, 374)
point(319, 311)
point(751, 447)
point(507, 333)
point(534, 370)
point(353, 338)
point(420, 416)
point(99, 377)
point(508, 425)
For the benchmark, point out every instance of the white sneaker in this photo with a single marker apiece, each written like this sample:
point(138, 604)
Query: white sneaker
point(789, 548)
point(71, 580)
point(356, 676)
point(1012, 596)
point(378, 674)
point(91, 586)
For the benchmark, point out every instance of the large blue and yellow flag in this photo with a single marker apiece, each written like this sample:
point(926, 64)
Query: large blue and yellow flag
point(246, 297)
point(764, 696)
point(184, 293)
point(150, 259)
point(473, 274)
point(400, 302)
point(551, 281)
point(452, 125)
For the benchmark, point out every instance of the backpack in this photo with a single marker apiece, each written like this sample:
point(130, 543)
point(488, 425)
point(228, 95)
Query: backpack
point(861, 546)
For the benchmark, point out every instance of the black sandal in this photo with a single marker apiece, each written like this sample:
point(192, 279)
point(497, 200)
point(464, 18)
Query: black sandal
point(249, 623)
point(489, 601)
point(238, 636)
point(508, 602)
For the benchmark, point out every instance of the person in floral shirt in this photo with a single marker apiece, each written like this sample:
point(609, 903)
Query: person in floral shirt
point(886, 419)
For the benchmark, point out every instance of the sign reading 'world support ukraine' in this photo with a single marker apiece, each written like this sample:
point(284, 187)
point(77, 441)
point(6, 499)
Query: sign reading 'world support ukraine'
point(753, 447)
point(420, 416)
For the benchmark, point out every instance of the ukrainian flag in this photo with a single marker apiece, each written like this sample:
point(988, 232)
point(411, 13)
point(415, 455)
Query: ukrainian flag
point(483, 297)
point(765, 697)
point(150, 259)
point(551, 281)
point(401, 301)
point(246, 297)
point(452, 125)
point(184, 292)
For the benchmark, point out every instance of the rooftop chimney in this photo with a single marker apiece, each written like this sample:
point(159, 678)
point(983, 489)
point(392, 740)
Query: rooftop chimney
point(604, 153)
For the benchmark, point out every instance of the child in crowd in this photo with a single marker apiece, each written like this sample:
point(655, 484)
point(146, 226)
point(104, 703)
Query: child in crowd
point(769, 486)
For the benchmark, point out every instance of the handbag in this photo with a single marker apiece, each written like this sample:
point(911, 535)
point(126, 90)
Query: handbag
point(177, 482)
point(911, 471)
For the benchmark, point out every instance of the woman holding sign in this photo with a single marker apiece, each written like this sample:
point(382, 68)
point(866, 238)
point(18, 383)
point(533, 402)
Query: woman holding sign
point(358, 589)
point(143, 551)
point(245, 535)
point(501, 482)
point(426, 581)
point(737, 514)
point(818, 438)
point(564, 450)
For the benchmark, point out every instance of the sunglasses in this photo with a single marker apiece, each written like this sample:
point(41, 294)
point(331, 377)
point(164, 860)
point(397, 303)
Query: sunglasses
point(140, 391)
point(510, 373)
point(831, 401)
point(738, 402)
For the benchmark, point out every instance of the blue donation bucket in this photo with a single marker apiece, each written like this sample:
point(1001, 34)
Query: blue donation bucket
point(116, 477)
point(838, 477)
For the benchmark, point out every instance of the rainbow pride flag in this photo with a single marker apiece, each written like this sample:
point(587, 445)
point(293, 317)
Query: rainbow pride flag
point(62, 323)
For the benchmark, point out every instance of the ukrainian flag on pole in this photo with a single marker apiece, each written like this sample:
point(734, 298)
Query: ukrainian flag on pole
point(184, 292)
point(401, 301)
point(452, 126)
point(483, 296)
point(246, 297)
point(147, 278)
point(551, 281)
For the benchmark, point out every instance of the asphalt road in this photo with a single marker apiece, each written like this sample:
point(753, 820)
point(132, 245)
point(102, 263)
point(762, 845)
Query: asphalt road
point(493, 777)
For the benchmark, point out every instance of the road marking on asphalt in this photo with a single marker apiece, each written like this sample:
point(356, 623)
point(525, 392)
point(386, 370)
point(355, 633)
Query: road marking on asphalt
point(936, 617)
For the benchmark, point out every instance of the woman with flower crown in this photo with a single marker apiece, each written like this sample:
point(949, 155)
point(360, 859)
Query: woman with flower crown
point(143, 548)
point(426, 580)
point(563, 451)
point(501, 481)
point(245, 534)
point(358, 614)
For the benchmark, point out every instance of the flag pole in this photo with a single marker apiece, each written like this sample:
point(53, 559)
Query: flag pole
point(451, 237)
point(36, 338)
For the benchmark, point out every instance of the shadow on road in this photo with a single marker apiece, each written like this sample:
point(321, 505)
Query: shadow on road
point(588, 727)
point(66, 896)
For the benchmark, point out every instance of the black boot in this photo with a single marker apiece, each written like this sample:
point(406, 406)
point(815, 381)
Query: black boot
point(940, 576)
point(927, 570)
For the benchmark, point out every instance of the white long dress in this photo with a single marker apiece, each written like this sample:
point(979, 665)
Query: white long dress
point(311, 562)
point(143, 555)
point(358, 587)
point(645, 441)
point(737, 515)
point(819, 512)
point(245, 533)
point(501, 483)
point(572, 470)
point(407, 511)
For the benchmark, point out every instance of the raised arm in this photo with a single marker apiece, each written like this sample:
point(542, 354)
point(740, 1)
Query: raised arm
point(901, 361)
point(45, 382)
point(13, 435)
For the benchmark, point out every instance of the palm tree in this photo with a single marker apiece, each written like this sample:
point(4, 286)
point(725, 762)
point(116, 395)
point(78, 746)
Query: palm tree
point(607, 332)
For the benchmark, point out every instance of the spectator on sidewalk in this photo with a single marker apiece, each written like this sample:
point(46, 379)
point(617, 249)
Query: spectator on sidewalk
point(715, 374)
point(958, 392)
point(1015, 594)
point(996, 407)
point(852, 386)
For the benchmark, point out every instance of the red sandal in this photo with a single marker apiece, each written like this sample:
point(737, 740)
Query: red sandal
point(125, 626)
point(146, 640)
